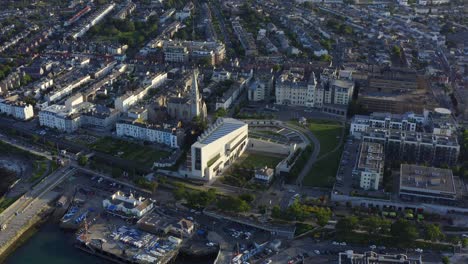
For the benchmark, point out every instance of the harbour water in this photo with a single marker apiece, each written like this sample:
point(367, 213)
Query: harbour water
point(52, 245)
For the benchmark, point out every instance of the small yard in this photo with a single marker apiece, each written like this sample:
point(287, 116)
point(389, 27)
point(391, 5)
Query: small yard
point(240, 174)
point(253, 160)
point(141, 154)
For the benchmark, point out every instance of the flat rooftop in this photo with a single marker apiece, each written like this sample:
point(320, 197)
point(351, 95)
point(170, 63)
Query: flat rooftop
point(426, 179)
point(342, 83)
point(371, 156)
point(221, 128)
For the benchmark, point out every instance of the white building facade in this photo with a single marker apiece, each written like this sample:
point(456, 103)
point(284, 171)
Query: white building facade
point(294, 88)
point(16, 109)
point(162, 135)
point(218, 147)
point(128, 205)
point(405, 122)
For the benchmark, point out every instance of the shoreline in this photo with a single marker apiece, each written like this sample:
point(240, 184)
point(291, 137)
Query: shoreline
point(48, 214)
point(26, 233)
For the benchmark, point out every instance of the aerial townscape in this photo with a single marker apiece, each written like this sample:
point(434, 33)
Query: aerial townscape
point(233, 131)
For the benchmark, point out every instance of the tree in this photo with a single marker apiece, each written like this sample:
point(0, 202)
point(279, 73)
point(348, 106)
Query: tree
point(396, 51)
point(146, 184)
point(179, 192)
point(326, 57)
point(82, 160)
point(445, 260)
point(465, 242)
point(234, 204)
point(403, 232)
point(297, 211)
point(26, 79)
point(371, 225)
point(276, 67)
point(346, 225)
point(30, 100)
point(432, 232)
point(276, 211)
point(221, 112)
point(323, 216)
point(248, 197)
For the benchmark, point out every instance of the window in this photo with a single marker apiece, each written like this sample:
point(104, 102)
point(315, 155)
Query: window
point(197, 158)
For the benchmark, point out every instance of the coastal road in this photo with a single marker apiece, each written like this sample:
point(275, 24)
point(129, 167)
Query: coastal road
point(17, 216)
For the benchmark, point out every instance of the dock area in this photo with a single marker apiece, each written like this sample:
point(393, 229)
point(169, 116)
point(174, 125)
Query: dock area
point(124, 244)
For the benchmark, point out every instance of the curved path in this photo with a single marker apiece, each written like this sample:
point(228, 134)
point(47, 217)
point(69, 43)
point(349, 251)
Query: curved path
point(313, 157)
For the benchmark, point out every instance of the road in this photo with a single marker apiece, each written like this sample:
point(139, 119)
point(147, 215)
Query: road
point(308, 245)
point(30, 129)
point(18, 215)
point(220, 18)
point(91, 172)
point(35, 150)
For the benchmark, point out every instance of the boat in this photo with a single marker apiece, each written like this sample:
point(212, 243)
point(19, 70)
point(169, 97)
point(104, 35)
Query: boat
point(69, 215)
point(81, 217)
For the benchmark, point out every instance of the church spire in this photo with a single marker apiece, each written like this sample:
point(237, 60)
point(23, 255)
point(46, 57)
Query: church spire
point(195, 94)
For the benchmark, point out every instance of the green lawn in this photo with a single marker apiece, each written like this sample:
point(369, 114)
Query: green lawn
point(40, 167)
point(39, 163)
point(323, 172)
point(144, 155)
point(327, 132)
point(5, 202)
point(250, 160)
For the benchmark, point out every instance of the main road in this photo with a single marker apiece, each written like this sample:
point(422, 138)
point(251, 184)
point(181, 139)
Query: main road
point(16, 217)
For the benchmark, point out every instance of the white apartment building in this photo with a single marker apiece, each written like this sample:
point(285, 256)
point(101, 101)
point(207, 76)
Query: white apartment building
point(124, 102)
point(231, 95)
point(221, 75)
point(256, 91)
point(61, 91)
point(127, 205)
point(93, 20)
point(370, 165)
point(176, 54)
point(183, 51)
point(293, 87)
point(165, 134)
point(342, 91)
point(16, 109)
point(218, 147)
point(404, 122)
point(58, 117)
point(75, 114)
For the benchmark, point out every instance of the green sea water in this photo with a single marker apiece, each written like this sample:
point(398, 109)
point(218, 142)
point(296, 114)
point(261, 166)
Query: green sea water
point(50, 245)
